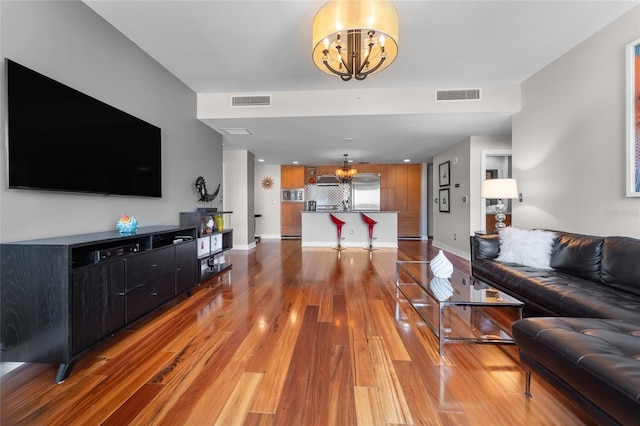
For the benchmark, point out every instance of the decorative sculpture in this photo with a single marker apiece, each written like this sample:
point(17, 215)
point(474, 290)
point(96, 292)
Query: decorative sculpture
point(441, 266)
point(201, 186)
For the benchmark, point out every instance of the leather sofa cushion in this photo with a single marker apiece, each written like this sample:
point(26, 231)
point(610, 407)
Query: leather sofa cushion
point(620, 267)
point(560, 294)
point(578, 255)
point(600, 359)
point(485, 246)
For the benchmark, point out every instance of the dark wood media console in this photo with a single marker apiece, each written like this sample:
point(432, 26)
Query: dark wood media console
point(62, 295)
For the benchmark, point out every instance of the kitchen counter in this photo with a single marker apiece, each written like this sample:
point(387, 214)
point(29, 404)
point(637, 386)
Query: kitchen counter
point(319, 231)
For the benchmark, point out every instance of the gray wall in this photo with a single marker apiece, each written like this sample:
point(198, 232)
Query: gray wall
point(451, 230)
point(569, 139)
point(68, 42)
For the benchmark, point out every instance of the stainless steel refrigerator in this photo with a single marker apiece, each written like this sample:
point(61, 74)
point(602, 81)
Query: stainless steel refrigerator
point(365, 192)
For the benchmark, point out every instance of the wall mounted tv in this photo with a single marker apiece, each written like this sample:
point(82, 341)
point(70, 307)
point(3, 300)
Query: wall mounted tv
point(60, 139)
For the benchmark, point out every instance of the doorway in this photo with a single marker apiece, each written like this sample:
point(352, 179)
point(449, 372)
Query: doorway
point(496, 164)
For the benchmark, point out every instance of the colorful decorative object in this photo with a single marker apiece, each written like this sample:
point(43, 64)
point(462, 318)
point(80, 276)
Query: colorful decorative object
point(127, 225)
point(441, 266)
point(267, 182)
point(220, 222)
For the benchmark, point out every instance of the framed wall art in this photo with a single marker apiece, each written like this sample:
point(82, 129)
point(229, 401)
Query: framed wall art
point(443, 197)
point(445, 173)
point(633, 119)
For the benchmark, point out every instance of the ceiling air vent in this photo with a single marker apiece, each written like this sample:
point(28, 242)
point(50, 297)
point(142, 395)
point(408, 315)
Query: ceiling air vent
point(242, 101)
point(458, 95)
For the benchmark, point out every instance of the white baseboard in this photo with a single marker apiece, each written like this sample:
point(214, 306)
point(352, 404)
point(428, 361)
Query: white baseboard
point(457, 252)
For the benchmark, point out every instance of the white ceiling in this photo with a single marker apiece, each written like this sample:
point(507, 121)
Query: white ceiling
point(264, 47)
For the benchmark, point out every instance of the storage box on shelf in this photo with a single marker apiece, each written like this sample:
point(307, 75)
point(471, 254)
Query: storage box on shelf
point(62, 295)
point(213, 245)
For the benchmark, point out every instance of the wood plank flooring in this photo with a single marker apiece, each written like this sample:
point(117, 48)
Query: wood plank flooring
point(290, 336)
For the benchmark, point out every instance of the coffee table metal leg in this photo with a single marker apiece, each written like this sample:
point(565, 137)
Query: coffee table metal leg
point(441, 326)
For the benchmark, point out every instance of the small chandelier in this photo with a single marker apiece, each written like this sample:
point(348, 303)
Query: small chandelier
point(355, 38)
point(346, 173)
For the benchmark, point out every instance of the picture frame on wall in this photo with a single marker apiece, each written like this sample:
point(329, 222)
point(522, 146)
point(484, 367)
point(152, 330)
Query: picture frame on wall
point(445, 173)
point(633, 119)
point(444, 205)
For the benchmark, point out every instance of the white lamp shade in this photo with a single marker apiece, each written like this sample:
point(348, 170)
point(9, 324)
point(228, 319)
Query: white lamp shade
point(499, 188)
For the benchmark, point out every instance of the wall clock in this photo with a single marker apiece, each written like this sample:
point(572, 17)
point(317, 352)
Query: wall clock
point(267, 182)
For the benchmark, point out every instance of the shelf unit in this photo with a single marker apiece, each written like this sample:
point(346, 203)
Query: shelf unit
point(63, 295)
point(213, 246)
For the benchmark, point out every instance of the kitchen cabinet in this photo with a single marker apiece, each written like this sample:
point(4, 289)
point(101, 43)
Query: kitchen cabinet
point(326, 170)
point(291, 219)
point(409, 184)
point(63, 295)
point(292, 177)
point(400, 190)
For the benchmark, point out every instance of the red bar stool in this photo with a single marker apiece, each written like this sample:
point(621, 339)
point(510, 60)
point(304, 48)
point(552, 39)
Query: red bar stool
point(369, 221)
point(338, 224)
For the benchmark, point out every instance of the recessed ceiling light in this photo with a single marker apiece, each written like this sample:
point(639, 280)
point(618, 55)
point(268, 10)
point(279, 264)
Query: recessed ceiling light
point(295, 162)
point(260, 160)
point(237, 131)
point(407, 160)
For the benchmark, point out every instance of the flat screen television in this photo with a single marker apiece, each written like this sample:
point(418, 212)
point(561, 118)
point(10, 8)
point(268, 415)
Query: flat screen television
point(60, 139)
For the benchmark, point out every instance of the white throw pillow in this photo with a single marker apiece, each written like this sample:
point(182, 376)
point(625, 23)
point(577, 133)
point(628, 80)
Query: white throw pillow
point(526, 247)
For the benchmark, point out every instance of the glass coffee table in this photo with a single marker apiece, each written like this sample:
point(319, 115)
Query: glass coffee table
point(461, 309)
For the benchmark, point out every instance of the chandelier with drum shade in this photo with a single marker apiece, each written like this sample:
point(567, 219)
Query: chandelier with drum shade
point(355, 38)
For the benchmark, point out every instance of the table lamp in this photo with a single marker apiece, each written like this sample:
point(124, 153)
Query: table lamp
point(499, 189)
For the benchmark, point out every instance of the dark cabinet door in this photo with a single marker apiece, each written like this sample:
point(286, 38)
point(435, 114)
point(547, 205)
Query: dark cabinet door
point(149, 296)
point(146, 267)
point(186, 267)
point(98, 303)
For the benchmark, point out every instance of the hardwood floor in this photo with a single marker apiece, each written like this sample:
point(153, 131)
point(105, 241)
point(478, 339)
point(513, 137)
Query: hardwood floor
point(290, 336)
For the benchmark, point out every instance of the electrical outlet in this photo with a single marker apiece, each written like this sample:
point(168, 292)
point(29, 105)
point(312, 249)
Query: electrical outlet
point(455, 236)
point(351, 231)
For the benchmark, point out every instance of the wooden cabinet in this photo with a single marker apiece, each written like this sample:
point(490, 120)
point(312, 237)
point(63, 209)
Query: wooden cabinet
point(401, 191)
point(326, 170)
point(62, 295)
point(291, 219)
point(292, 176)
point(186, 268)
point(150, 281)
point(98, 303)
point(410, 183)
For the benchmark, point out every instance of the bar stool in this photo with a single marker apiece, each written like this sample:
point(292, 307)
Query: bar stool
point(338, 224)
point(369, 221)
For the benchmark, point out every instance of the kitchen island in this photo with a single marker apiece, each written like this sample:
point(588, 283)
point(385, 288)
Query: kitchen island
point(319, 231)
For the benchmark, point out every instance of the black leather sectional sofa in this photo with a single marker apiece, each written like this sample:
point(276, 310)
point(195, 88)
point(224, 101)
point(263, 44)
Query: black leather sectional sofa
point(582, 330)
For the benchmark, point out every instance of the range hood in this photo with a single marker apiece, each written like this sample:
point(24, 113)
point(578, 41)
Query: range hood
point(328, 180)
